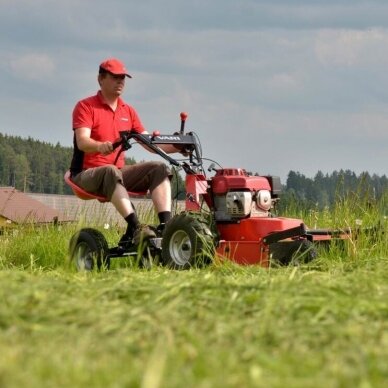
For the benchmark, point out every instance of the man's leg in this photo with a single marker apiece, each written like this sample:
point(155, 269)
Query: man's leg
point(121, 201)
point(123, 205)
point(153, 176)
point(161, 198)
point(107, 181)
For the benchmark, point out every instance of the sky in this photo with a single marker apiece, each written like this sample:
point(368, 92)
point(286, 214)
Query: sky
point(269, 86)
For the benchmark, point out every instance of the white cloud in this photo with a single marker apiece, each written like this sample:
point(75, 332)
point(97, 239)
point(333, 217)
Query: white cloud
point(352, 47)
point(32, 66)
point(283, 83)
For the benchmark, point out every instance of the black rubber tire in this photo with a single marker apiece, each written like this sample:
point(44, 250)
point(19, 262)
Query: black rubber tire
point(293, 252)
point(88, 249)
point(187, 242)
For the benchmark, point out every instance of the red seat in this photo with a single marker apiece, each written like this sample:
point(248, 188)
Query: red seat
point(82, 194)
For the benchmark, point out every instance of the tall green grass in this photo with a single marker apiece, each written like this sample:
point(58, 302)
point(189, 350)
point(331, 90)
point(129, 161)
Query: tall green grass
point(322, 324)
point(364, 217)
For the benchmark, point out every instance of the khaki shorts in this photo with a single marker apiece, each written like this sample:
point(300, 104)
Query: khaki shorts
point(139, 177)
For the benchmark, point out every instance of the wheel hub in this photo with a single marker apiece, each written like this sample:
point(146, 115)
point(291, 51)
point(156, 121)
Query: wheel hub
point(180, 247)
point(83, 257)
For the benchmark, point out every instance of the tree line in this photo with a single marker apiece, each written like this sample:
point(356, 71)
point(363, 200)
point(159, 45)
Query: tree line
point(34, 166)
point(325, 189)
point(38, 167)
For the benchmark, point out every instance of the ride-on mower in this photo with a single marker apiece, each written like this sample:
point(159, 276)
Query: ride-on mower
point(229, 215)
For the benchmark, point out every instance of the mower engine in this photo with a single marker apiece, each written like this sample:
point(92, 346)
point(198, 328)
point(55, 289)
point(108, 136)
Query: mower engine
point(239, 195)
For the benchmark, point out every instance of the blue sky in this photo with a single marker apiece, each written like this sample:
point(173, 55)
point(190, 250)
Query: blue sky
point(270, 86)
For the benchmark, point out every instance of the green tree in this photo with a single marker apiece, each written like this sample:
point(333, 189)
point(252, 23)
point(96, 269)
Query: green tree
point(21, 173)
point(8, 160)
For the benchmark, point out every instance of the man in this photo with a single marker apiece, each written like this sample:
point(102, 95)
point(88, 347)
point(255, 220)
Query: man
point(97, 121)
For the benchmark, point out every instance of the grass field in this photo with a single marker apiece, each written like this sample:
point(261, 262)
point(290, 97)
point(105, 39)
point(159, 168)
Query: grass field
point(323, 324)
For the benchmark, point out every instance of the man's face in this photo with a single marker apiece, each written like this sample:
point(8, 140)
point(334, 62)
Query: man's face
point(112, 84)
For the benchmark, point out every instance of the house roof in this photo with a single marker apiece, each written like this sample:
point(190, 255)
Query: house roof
point(19, 207)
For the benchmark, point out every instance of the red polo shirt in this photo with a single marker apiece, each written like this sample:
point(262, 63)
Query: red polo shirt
point(105, 125)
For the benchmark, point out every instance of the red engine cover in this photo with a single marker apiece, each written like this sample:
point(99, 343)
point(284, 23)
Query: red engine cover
point(231, 179)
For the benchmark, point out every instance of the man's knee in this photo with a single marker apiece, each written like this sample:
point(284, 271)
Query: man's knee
point(112, 176)
point(160, 173)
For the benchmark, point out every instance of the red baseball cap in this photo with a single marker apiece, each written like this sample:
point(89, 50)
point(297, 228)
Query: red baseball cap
point(114, 66)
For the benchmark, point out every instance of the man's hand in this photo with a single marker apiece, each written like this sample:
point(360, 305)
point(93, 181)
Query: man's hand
point(105, 148)
point(88, 145)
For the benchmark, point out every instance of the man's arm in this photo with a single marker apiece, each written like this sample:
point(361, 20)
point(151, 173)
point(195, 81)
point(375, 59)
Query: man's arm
point(86, 144)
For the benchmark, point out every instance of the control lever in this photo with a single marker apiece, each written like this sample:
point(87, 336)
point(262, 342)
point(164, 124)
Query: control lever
point(183, 121)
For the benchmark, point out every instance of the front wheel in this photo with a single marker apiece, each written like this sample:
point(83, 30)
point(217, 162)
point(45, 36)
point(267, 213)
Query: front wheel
point(187, 242)
point(88, 249)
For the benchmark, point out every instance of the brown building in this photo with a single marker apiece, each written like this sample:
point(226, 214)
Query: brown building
point(17, 208)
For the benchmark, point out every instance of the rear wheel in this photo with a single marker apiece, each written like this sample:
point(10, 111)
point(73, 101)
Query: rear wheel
point(293, 252)
point(88, 249)
point(187, 242)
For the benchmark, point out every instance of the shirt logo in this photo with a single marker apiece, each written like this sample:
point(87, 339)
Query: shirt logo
point(124, 119)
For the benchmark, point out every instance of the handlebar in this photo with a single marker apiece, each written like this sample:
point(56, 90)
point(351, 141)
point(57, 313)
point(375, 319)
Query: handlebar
point(187, 141)
point(116, 144)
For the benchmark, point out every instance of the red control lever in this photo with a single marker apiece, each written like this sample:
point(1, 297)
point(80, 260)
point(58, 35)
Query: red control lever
point(183, 120)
